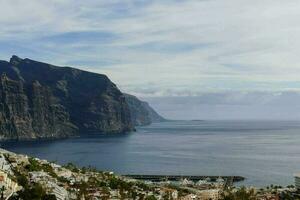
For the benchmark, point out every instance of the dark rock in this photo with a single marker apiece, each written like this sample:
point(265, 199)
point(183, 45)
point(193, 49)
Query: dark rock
point(38, 100)
point(142, 113)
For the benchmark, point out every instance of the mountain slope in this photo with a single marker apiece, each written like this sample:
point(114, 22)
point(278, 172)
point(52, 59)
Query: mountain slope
point(39, 100)
point(141, 112)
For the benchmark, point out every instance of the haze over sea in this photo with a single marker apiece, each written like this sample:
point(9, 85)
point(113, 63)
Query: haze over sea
point(265, 152)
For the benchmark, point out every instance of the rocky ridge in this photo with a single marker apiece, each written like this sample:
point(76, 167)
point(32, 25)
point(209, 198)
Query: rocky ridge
point(41, 101)
point(28, 178)
point(142, 113)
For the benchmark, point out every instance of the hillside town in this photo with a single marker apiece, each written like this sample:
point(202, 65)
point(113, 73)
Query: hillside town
point(23, 177)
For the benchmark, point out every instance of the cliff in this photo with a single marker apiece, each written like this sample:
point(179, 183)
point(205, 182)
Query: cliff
point(141, 112)
point(38, 100)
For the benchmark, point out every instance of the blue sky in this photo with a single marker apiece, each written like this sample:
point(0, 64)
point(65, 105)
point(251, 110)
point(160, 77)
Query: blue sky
point(170, 48)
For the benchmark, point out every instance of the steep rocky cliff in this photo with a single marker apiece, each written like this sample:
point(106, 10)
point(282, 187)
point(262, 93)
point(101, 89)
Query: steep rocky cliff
point(31, 113)
point(141, 112)
point(38, 100)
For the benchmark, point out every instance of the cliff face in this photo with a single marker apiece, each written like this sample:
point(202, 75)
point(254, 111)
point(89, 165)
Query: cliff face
point(38, 100)
point(142, 113)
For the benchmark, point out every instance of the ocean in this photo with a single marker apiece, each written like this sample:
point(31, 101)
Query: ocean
point(264, 152)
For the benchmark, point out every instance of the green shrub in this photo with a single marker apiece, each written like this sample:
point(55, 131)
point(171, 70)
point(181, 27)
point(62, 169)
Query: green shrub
point(33, 165)
point(71, 167)
point(240, 194)
point(150, 198)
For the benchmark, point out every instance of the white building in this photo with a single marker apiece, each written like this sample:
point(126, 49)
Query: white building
point(39, 176)
point(212, 194)
point(186, 182)
point(9, 186)
point(201, 182)
point(4, 165)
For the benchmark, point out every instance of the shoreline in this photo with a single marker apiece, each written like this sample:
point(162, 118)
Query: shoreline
point(24, 174)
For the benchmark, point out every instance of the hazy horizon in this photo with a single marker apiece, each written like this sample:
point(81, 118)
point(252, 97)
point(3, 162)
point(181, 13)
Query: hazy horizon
point(230, 106)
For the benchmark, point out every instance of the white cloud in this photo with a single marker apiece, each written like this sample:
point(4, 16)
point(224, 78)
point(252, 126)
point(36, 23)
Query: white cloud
point(167, 47)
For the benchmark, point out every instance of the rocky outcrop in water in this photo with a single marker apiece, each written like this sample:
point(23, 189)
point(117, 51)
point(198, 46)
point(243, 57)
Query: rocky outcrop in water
point(142, 113)
point(38, 100)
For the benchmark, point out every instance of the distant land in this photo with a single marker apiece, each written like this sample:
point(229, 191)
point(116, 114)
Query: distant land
point(141, 112)
point(43, 101)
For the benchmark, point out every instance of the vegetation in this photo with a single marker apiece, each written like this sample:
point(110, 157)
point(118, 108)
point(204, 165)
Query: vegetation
point(181, 191)
point(150, 198)
point(34, 165)
point(71, 167)
point(240, 194)
point(33, 192)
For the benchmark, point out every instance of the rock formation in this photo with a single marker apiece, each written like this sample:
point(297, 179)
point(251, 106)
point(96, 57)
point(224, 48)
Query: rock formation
point(38, 100)
point(141, 112)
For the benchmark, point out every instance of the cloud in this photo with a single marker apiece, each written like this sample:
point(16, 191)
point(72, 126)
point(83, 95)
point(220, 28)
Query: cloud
point(159, 48)
point(87, 37)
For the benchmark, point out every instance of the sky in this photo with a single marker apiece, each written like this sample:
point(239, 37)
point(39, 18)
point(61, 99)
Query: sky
point(170, 49)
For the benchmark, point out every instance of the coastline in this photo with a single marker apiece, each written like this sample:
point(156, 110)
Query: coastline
point(206, 148)
point(23, 175)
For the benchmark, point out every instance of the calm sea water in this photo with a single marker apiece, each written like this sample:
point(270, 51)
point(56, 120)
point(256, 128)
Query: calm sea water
point(265, 152)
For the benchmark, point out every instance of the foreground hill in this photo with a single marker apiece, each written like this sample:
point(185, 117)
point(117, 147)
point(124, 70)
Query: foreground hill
point(39, 100)
point(141, 112)
point(26, 178)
